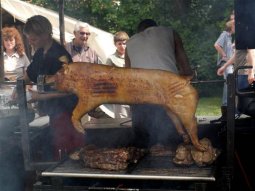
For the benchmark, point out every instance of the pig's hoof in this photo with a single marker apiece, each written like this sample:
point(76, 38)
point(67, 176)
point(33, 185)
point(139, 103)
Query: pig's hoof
point(81, 130)
point(186, 139)
point(200, 147)
point(79, 127)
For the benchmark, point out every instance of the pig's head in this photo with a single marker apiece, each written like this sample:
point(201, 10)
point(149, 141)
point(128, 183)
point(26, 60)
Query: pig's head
point(63, 80)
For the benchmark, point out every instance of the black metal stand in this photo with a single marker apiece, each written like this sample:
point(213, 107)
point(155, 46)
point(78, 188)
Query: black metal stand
point(233, 91)
point(22, 101)
point(230, 144)
point(29, 164)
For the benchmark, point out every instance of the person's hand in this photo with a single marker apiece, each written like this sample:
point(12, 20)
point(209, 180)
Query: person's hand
point(50, 79)
point(220, 71)
point(225, 58)
point(33, 95)
point(251, 78)
point(14, 95)
point(13, 98)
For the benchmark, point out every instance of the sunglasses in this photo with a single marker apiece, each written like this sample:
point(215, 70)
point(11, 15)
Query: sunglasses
point(85, 33)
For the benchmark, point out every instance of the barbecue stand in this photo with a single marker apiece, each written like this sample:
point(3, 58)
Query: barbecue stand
point(166, 173)
point(27, 134)
point(233, 91)
point(160, 172)
point(150, 173)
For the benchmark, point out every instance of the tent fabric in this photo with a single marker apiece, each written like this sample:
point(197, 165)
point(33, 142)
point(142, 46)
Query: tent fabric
point(99, 40)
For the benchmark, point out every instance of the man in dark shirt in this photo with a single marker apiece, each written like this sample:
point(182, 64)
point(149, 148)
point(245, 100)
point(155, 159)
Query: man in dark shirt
point(58, 106)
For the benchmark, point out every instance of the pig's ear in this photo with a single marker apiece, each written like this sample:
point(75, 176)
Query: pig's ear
point(66, 68)
point(63, 59)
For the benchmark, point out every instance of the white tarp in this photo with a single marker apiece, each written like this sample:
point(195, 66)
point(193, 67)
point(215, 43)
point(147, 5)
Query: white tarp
point(99, 40)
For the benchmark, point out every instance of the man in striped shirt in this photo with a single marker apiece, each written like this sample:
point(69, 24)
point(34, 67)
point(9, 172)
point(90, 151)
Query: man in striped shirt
point(225, 49)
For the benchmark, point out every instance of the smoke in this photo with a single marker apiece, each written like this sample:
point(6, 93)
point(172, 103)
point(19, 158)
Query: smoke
point(110, 137)
point(11, 168)
point(152, 126)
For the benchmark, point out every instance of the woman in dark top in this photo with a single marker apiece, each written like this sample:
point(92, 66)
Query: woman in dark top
point(57, 106)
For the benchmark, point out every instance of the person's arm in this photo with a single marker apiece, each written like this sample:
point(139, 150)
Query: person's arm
point(251, 62)
point(36, 96)
point(221, 70)
point(219, 44)
point(127, 60)
point(26, 78)
point(220, 51)
point(181, 57)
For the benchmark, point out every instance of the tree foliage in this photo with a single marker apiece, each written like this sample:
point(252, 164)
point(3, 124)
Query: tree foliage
point(199, 22)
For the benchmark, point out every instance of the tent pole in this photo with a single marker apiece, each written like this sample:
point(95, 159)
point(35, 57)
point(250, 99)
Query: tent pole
point(1, 50)
point(61, 22)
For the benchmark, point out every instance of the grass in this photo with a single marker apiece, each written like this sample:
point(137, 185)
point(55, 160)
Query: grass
point(209, 106)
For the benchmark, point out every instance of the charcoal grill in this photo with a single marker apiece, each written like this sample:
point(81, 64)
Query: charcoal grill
point(148, 168)
point(150, 173)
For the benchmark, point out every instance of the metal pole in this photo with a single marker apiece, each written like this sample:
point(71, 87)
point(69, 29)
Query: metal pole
point(229, 170)
point(231, 119)
point(1, 50)
point(61, 22)
point(25, 143)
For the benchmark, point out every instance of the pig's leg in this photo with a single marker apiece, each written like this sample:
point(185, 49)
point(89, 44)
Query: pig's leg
point(82, 108)
point(190, 124)
point(179, 127)
point(184, 106)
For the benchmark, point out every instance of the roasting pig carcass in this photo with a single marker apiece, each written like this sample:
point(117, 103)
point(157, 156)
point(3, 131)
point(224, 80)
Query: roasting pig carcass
point(100, 84)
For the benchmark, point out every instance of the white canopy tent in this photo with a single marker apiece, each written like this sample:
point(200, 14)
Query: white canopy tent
point(99, 40)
